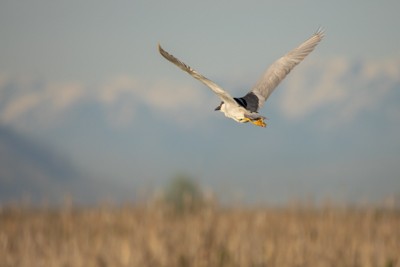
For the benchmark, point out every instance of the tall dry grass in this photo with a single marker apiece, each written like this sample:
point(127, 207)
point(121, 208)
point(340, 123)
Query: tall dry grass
point(212, 236)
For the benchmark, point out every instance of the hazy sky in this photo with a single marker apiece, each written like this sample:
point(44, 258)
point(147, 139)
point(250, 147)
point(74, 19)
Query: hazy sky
point(85, 78)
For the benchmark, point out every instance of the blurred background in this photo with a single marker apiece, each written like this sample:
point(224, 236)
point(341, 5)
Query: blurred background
point(90, 110)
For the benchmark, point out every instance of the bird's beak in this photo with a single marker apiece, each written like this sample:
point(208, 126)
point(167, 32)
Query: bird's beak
point(219, 107)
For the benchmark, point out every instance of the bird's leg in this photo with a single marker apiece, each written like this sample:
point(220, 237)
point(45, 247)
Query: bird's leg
point(259, 122)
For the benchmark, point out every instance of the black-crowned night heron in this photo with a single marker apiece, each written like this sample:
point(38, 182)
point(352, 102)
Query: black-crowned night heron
point(245, 109)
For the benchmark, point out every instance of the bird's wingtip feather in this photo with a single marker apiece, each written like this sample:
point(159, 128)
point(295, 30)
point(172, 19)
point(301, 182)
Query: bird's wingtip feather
point(320, 32)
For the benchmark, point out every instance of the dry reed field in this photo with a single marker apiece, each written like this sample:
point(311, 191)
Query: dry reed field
point(152, 235)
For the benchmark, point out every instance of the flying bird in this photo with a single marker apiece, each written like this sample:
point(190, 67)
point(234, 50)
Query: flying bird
point(245, 109)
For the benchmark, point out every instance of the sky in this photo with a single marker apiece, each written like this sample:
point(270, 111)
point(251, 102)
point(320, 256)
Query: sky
point(85, 78)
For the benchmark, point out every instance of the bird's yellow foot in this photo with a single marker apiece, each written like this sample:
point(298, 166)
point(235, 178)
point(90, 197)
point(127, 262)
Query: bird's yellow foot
point(245, 120)
point(259, 122)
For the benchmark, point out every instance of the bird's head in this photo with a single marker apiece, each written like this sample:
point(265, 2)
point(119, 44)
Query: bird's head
point(219, 107)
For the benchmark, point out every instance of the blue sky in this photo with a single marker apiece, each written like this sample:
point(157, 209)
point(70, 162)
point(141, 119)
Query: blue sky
point(85, 78)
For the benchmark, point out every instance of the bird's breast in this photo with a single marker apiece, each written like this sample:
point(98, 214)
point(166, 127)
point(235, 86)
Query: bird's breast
point(234, 112)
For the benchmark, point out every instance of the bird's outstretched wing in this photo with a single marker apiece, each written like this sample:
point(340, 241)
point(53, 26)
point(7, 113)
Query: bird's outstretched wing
point(279, 69)
point(225, 97)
